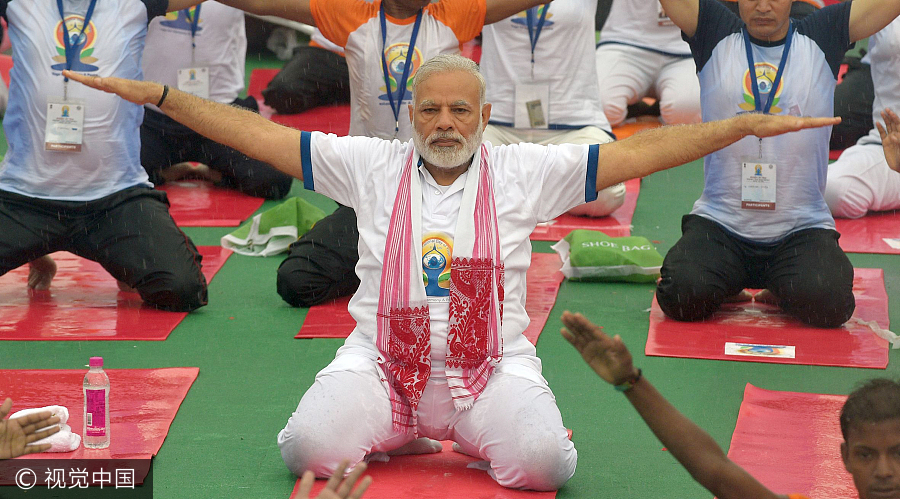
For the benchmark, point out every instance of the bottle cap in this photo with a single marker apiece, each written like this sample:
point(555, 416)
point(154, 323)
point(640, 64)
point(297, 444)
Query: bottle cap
point(96, 362)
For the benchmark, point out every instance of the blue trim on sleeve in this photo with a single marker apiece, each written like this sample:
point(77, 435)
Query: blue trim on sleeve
point(648, 49)
point(590, 183)
point(306, 160)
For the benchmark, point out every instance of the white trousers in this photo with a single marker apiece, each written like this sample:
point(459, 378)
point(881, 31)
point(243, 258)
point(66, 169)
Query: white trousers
point(608, 200)
point(628, 74)
point(860, 181)
point(514, 424)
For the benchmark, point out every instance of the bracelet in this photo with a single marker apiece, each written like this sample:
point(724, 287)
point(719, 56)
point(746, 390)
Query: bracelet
point(629, 383)
point(164, 95)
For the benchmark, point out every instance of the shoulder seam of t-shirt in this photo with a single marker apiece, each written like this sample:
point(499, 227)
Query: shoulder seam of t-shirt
point(820, 28)
point(155, 8)
point(712, 28)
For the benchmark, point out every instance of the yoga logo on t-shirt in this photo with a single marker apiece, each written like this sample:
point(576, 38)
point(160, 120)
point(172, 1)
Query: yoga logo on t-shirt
point(437, 252)
point(80, 42)
point(181, 20)
point(521, 19)
point(765, 79)
point(397, 58)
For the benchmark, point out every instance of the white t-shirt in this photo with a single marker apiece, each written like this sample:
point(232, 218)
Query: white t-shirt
point(884, 56)
point(221, 45)
point(806, 89)
point(642, 23)
point(563, 59)
point(110, 157)
point(532, 184)
point(356, 26)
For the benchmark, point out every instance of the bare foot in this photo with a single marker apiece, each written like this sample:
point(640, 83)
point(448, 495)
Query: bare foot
point(41, 272)
point(766, 296)
point(741, 297)
point(418, 446)
point(125, 288)
point(459, 448)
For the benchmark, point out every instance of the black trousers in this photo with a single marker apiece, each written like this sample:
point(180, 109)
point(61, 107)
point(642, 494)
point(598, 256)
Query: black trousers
point(130, 233)
point(853, 99)
point(164, 143)
point(807, 271)
point(321, 264)
point(313, 77)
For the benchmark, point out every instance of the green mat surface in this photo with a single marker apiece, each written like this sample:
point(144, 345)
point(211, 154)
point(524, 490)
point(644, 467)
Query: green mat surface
point(253, 373)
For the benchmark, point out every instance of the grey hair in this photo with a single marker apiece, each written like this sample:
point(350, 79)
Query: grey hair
point(445, 63)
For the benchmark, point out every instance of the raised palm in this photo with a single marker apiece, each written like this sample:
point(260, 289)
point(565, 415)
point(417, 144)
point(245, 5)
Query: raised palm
point(17, 435)
point(608, 357)
point(890, 138)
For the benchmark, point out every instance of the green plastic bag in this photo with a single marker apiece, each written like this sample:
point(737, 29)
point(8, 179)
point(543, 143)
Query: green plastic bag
point(589, 255)
point(272, 231)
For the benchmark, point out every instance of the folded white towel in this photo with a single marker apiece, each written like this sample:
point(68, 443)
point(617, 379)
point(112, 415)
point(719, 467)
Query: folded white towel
point(65, 440)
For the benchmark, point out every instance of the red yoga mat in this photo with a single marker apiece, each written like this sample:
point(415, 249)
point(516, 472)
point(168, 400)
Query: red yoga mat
point(84, 303)
point(332, 320)
point(433, 476)
point(759, 332)
point(195, 203)
point(328, 119)
point(874, 233)
point(616, 224)
point(790, 442)
point(142, 402)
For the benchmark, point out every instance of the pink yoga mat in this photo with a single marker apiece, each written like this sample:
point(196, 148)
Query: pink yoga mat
point(617, 224)
point(84, 303)
point(758, 332)
point(332, 320)
point(195, 203)
point(790, 442)
point(433, 476)
point(143, 403)
point(873, 233)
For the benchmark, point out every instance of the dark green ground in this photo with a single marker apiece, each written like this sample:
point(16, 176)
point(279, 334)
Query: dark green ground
point(252, 373)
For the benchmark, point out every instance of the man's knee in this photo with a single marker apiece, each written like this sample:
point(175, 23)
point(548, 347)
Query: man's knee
point(539, 463)
point(847, 197)
point(679, 110)
point(303, 449)
point(615, 109)
point(820, 304)
point(176, 292)
point(302, 286)
point(685, 293)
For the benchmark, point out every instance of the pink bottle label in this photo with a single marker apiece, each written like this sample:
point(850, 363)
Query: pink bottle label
point(96, 413)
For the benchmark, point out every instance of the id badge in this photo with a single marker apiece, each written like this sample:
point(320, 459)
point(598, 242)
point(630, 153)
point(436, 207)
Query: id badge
point(758, 180)
point(532, 105)
point(195, 81)
point(662, 19)
point(64, 131)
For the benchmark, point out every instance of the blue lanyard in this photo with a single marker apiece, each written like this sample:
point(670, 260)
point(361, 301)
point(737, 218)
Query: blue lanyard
point(753, 83)
point(410, 53)
point(534, 34)
point(70, 54)
point(194, 22)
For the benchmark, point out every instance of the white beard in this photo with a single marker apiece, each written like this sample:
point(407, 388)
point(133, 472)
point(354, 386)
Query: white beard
point(448, 158)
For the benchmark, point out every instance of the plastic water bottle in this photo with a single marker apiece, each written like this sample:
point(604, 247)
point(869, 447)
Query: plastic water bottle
point(96, 406)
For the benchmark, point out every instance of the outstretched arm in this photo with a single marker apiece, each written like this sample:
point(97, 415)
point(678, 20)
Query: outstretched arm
point(890, 138)
point(684, 13)
point(690, 445)
point(498, 10)
point(661, 148)
point(295, 10)
point(868, 17)
point(17, 436)
point(237, 128)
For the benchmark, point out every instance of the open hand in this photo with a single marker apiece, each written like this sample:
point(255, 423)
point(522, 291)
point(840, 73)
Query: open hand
point(890, 138)
point(767, 125)
point(608, 357)
point(337, 487)
point(17, 435)
point(138, 92)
